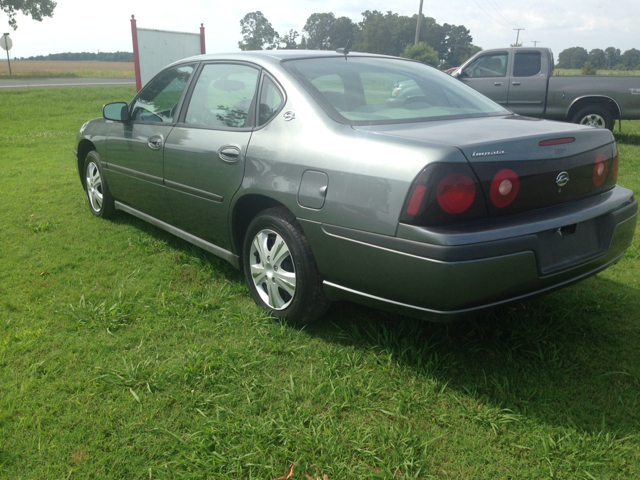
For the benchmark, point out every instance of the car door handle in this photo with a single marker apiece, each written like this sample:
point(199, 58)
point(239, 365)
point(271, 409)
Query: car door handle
point(155, 142)
point(229, 153)
point(516, 83)
point(498, 84)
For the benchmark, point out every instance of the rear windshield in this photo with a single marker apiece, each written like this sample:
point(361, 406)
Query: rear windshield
point(372, 90)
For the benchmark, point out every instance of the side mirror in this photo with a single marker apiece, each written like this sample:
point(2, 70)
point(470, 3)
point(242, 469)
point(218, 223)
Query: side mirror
point(116, 111)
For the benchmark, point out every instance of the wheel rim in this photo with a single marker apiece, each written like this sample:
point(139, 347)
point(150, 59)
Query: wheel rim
point(593, 120)
point(272, 269)
point(94, 186)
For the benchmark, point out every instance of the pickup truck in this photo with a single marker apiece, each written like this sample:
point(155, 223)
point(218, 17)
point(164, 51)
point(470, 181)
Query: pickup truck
point(522, 80)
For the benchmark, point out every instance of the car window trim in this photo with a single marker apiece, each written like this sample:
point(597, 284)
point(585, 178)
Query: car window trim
point(187, 100)
point(180, 100)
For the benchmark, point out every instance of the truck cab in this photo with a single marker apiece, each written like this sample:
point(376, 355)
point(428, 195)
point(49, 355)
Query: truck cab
point(516, 78)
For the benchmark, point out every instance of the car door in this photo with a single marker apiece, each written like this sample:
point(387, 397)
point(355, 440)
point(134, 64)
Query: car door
point(204, 154)
point(135, 147)
point(528, 89)
point(488, 75)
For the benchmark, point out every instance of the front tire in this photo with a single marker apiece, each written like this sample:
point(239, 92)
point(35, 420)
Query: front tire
point(594, 116)
point(99, 197)
point(281, 270)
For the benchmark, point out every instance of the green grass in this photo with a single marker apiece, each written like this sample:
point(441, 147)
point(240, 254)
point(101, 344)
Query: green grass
point(127, 353)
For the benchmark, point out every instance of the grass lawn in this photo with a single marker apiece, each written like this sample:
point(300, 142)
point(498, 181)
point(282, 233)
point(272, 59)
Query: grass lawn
point(127, 353)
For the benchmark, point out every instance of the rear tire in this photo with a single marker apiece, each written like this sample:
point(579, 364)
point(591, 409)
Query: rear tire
point(281, 270)
point(101, 202)
point(594, 116)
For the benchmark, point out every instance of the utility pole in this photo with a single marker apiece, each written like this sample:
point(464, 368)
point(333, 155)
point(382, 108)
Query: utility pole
point(418, 26)
point(517, 38)
point(535, 42)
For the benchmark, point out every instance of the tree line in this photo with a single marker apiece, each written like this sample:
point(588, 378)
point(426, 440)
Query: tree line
point(100, 56)
point(608, 59)
point(388, 33)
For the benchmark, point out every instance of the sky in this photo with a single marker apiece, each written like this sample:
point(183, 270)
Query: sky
point(81, 26)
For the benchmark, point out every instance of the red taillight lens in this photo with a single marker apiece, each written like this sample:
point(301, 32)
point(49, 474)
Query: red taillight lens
point(416, 200)
point(504, 187)
point(556, 141)
point(455, 192)
point(614, 167)
point(599, 169)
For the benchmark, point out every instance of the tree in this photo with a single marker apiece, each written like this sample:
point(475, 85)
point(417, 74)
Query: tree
point(37, 9)
point(422, 53)
point(375, 35)
point(319, 27)
point(257, 32)
point(574, 57)
point(288, 42)
point(588, 69)
point(614, 57)
point(458, 45)
point(344, 30)
point(631, 59)
point(598, 58)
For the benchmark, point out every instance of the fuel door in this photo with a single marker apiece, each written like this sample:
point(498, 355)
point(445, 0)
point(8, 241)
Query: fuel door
point(313, 189)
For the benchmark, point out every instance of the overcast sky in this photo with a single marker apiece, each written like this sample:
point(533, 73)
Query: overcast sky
point(82, 26)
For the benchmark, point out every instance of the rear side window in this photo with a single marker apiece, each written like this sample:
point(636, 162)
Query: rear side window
point(270, 101)
point(527, 64)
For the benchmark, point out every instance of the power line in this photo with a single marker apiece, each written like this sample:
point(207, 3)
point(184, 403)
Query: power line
point(487, 14)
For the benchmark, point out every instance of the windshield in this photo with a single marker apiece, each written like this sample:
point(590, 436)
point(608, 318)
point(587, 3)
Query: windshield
point(373, 90)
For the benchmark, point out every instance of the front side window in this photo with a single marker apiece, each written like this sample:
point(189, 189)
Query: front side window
point(158, 100)
point(223, 96)
point(487, 66)
point(373, 90)
point(527, 64)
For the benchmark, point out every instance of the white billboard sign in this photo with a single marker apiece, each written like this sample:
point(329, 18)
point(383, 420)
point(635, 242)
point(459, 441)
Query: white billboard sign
point(155, 49)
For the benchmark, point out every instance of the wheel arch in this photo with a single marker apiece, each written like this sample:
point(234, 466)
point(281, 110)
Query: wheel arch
point(84, 147)
point(594, 100)
point(245, 209)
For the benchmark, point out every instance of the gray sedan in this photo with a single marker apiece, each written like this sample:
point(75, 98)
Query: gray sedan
point(295, 167)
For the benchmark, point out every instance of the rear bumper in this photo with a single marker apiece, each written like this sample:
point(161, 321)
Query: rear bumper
point(451, 274)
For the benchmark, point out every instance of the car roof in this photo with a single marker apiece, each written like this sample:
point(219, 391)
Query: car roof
point(272, 56)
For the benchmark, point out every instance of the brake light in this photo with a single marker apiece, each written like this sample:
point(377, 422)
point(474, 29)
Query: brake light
point(556, 141)
point(599, 169)
point(455, 192)
point(614, 167)
point(504, 187)
point(416, 199)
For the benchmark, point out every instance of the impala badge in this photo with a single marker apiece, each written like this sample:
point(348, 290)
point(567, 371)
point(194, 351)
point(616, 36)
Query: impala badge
point(562, 179)
point(289, 115)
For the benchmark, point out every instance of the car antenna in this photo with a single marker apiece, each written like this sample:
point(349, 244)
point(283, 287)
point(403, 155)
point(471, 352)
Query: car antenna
point(344, 51)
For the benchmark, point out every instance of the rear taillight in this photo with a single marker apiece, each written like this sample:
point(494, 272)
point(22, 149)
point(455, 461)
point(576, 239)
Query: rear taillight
point(504, 187)
point(456, 192)
point(614, 166)
point(444, 193)
point(599, 169)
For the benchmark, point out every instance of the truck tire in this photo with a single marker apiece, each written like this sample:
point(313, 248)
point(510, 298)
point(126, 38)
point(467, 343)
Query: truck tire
point(594, 116)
